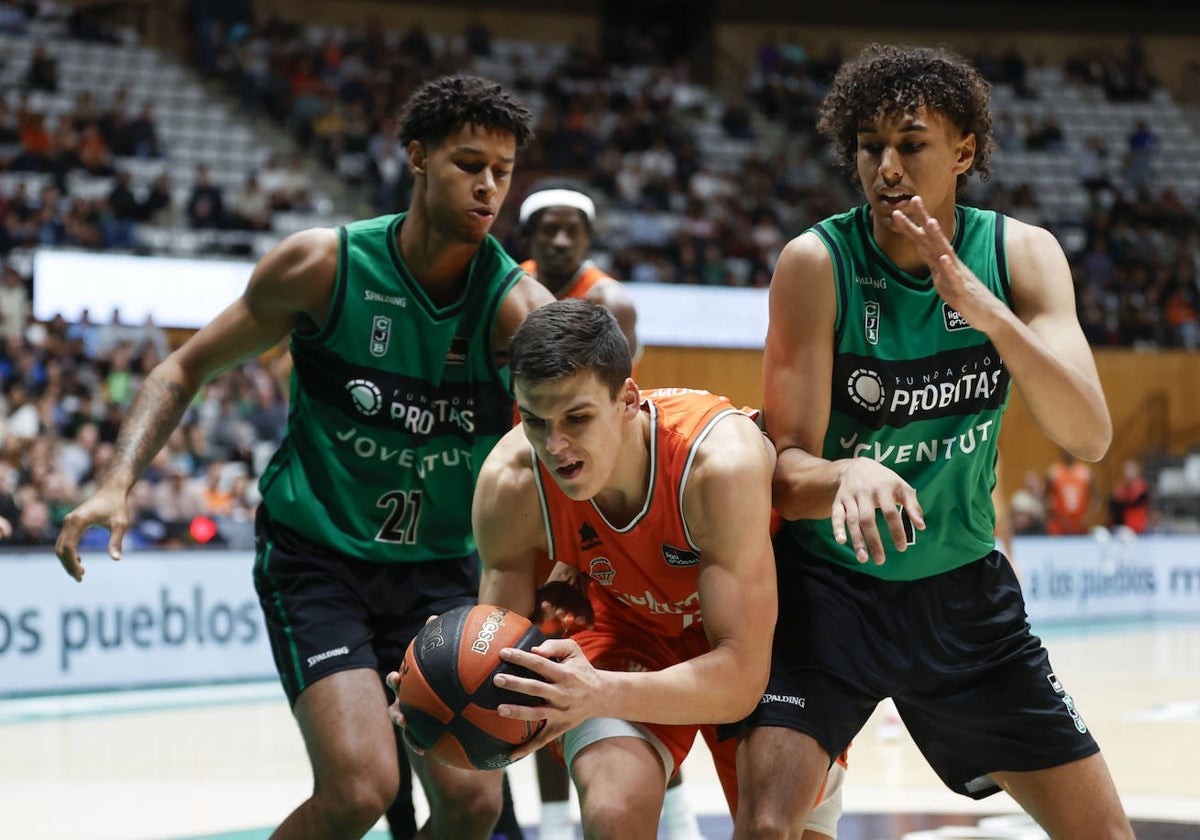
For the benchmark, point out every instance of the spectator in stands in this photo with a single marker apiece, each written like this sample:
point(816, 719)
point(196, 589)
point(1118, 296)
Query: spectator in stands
point(251, 206)
point(1139, 157)
point(143, 133)
point(1129, 502)
point(15, 303)
point(75, 456)
point(157, 206)
point(206, 204)
point(33, 526)
point(1044, 135)
point(1181, 316)
point(124, 212)
point(43, 70)
point(1071, 491)
point(177, 500)
point(1091, 165)
point(9, 135)
point(37, 146)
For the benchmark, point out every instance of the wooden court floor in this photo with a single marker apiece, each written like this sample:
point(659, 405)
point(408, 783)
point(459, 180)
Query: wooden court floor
point(227, 762)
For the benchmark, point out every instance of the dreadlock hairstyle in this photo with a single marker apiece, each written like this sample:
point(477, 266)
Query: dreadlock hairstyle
point(886, 80)
point(441, 106)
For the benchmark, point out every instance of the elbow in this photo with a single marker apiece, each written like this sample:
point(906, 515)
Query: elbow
point(785, 498)
point(747, 700)
point(1093, 447)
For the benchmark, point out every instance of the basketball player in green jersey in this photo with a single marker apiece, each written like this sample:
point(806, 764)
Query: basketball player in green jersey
point(398, 327)
point(895, 329)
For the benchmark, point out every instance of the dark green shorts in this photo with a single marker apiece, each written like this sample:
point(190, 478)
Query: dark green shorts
point(327, 613)
point(973, 685)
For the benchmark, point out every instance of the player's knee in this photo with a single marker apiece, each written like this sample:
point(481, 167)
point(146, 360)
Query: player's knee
point(475, 799)
point(356, 803)
point(762, 823)
point(610, 812)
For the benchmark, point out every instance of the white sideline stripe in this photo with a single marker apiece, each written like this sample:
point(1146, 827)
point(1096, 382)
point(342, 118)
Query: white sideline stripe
point(108, 702)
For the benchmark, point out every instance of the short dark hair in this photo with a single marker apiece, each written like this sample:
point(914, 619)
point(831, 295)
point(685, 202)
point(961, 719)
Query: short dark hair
point(891, 80)
point(570, 336)
point(441, 106)
point(544, 184)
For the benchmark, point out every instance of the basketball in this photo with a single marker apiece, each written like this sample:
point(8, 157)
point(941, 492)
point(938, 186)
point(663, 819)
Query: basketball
point(446, 690)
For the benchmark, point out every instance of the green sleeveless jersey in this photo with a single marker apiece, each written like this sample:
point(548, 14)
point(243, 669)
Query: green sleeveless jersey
point(395, 403)
point(918, 390)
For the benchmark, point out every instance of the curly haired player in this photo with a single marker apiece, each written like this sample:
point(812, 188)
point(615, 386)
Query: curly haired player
point(895, 329)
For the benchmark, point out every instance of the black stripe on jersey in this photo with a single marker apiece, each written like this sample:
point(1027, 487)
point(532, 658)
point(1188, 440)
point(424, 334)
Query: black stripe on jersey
point(1002, 259)
point(839, 280)
point(490, 320)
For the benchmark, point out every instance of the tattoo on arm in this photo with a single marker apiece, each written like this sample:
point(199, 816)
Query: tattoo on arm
point(153, 415)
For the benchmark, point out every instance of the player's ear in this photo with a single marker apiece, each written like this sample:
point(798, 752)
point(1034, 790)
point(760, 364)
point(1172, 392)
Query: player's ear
point(417, 157)
point(630, 397)
point(966, 153)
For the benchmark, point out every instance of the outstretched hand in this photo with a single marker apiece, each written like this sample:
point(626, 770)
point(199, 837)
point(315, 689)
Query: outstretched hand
point(867, 486)
point(109, 508)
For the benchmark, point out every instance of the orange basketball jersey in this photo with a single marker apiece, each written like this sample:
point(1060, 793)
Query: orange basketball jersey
point(587, 276)
point(646, 571)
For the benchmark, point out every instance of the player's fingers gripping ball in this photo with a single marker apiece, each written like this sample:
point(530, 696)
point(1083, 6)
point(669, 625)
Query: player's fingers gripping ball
point(446, 691)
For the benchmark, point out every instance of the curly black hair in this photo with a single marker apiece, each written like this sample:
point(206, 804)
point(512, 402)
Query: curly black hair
point(889, 80)
point(441, 106)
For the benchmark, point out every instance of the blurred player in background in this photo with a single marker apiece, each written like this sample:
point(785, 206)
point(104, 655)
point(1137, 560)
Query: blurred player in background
point(398, 328)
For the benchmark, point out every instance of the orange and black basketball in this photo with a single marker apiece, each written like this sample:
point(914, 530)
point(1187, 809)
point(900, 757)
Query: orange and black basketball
point(446, 690)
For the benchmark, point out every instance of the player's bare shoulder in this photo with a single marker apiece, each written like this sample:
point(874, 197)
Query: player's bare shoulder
point(508, 470)
point(526, 295)
point(734, 450)
point(506, 511)
point(805, 255)
point(298, 273)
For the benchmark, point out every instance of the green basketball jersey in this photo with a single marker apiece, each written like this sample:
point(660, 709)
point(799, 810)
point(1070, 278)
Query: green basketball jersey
point(395, 403)
point(918, 390)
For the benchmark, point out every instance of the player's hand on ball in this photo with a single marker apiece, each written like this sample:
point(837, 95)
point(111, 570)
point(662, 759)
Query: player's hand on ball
point(397, 716)
point(572, 690)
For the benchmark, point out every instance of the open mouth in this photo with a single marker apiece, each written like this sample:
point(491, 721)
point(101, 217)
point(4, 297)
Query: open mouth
point(481, 213)
point(569, 470)
point(895, 200)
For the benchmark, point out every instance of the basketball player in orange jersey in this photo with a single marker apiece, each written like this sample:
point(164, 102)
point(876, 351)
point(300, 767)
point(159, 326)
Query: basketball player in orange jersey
point(1071, 493)
point(558, 218)
point(658, 506)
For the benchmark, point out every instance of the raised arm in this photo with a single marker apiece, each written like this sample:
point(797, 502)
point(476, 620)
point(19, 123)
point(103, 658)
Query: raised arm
point(291, 285)
point(1040, 339)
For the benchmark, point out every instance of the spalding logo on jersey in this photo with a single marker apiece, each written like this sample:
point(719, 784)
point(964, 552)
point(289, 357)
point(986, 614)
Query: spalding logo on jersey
point(679, 556)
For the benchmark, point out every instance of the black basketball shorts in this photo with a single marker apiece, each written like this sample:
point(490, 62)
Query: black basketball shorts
point(973, 685)
point(327, 613)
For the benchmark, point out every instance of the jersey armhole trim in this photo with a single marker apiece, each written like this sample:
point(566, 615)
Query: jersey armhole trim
point(835, 257)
